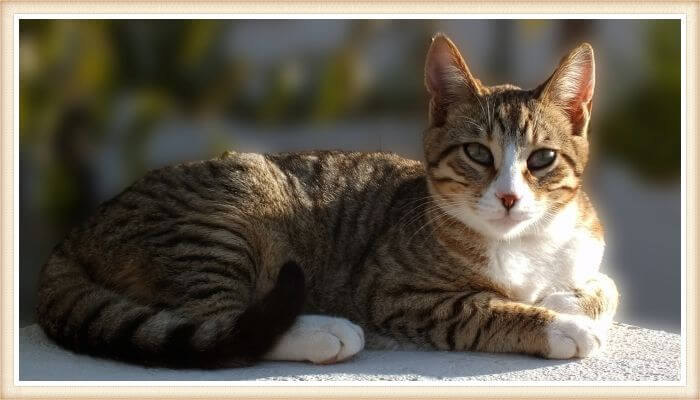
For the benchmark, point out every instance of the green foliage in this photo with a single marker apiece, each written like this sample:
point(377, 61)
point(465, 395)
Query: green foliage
point(644, 127)
point(59, 194)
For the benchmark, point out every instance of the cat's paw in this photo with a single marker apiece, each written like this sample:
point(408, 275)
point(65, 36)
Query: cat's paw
point(320, 339)
point(562, 302)
point(571, 336)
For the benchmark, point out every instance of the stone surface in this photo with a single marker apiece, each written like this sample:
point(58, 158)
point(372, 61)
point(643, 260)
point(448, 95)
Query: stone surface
point(632, 354)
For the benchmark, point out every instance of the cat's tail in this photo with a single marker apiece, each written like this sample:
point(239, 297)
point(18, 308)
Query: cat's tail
point(88, 318)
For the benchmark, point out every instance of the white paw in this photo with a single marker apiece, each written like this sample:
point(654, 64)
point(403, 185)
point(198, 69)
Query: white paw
point(574, 336)
point(320, 339)
point(562, 302)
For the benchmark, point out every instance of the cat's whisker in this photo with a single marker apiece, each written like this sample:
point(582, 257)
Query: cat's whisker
point(472, 122)
point(422, 208)
point(415, 207)
point(429, 222)
point(425, 213)
point(490, 119)
point(447, 220)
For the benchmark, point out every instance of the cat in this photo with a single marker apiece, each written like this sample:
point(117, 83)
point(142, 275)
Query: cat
point(489, 245)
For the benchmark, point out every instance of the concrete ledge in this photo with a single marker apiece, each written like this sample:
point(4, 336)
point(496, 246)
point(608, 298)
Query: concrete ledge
point(632, 354)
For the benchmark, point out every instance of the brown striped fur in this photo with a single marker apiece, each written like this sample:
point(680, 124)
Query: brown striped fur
point(183, 267)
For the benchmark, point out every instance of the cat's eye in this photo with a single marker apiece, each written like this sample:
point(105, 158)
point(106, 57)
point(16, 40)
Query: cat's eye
point(479, 153)
point(541, 159)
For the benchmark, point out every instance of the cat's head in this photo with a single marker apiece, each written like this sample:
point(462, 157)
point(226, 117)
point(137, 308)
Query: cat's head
point(501, 159)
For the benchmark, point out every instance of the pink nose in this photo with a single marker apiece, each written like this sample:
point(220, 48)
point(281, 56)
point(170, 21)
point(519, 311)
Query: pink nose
point(508, 200)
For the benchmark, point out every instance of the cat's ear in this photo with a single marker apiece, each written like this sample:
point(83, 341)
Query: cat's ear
point(571, 87)
point(447, 78)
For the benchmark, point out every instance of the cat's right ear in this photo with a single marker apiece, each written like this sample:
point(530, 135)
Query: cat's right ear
point(447, 78)
point(571, 87)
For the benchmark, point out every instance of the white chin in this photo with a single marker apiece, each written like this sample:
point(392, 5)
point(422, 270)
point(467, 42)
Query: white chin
point(500, 228)
point(506, 228)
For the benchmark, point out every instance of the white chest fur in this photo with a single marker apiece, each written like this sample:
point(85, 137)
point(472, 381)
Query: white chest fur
point(559, 257)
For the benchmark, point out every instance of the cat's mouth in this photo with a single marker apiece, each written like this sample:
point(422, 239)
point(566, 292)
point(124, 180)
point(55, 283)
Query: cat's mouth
point(507, 221)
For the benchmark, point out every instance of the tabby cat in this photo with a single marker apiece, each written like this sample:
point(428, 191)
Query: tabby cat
point(489, 245)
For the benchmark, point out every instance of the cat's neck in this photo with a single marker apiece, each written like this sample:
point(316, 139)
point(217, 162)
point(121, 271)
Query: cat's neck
point(514, 267)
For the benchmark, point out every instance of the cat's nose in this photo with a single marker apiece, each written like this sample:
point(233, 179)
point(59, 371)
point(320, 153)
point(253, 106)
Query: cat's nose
point(508, 200)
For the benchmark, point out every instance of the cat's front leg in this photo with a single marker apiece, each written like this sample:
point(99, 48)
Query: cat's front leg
point(541, 331)
point(596, 299)
point(484, 321)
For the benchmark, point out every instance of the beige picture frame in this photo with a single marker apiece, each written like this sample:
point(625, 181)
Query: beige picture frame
point(11, 10)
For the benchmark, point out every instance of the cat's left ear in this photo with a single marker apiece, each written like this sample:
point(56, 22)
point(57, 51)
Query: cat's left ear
point(447, 78)
point(571, 87)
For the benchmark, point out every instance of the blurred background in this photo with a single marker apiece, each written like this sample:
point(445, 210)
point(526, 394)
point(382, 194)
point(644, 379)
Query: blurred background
point(102, 101)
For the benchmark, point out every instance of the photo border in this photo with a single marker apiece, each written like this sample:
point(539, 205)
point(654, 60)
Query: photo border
point(10, 11)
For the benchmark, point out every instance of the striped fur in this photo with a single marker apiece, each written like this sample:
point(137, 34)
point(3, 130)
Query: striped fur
point(209, 263)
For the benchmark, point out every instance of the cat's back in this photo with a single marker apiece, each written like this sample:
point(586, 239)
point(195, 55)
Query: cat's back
point(314, 180)
point(244, 180)
point(321, 170)
point(253, 186)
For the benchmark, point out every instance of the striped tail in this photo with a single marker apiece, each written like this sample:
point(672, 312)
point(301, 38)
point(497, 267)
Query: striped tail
point(86, 317)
